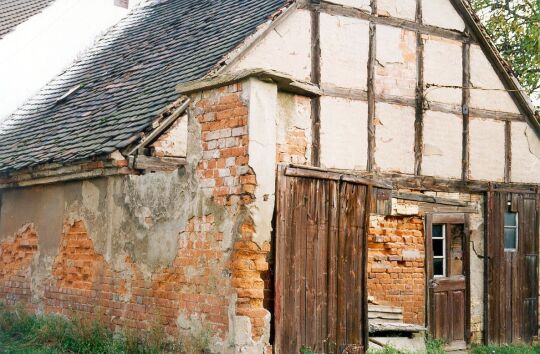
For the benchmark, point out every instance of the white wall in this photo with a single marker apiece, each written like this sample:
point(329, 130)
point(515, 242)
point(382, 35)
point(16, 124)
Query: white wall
point(287, 48)
point(525, 154)
point(43, 46)
point(487, 149)
point(441, 13)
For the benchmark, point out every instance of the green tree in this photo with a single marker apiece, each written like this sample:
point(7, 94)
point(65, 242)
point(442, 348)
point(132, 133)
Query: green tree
point(514, 26)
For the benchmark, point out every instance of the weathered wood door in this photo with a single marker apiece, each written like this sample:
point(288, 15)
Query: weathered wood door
point(320, 297)
point(512, 264)
point(447, 270)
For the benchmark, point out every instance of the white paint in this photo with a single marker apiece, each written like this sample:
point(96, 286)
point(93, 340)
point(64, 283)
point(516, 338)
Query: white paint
point(294, 116)
point(442, 145)
point(395, 70)
point(359, 4)
point(262, 154)
point(343, 133)
point(344, 51)
point(525, 154)
point(483, 76)
point(43, 46)
point(174, 141)
point(397, 8)
point(287, 48)
point(443, 66)
point(395, 138)
point(487, 155)
point(441, 13)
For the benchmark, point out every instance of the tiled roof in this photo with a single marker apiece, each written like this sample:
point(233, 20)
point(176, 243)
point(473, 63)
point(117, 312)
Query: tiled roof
point(15, 12)
point(126, 79)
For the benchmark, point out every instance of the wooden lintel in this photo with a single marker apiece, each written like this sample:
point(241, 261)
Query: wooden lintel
point(155, 164)
point(429, 199)
point(346, 11)
point(284, 82)
point(311, 172)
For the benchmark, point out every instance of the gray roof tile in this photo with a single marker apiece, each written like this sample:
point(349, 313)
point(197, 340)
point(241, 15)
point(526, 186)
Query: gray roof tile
point(125, 79)
point(15, 12)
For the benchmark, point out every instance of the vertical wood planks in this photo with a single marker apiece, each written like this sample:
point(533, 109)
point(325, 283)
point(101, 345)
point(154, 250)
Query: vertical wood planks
point(320, 270)
point(513, 275)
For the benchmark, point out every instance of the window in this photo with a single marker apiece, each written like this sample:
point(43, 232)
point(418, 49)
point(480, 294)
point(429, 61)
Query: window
point(510, 231)
point(438, 237)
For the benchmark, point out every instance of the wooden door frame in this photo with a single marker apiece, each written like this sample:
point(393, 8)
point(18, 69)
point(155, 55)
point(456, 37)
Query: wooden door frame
point(373, 188)
point(489, 206)
point(456, 219)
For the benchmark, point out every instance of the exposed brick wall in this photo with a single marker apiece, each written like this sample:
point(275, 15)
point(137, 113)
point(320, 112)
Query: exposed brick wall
point(192, 286)
point(225, 173)
point(295, 148)
point(396, 274)
point(224, 169)
point(15, 259)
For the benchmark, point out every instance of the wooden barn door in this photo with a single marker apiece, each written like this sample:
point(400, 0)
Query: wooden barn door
point(447, 271)
point(320, 298)
point(512, 265)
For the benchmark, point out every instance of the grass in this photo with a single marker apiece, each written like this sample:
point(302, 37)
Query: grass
point(512, 349)
point(25, 333)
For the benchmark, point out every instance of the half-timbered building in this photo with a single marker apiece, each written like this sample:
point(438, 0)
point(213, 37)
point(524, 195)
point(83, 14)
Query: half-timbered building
point(274, 175)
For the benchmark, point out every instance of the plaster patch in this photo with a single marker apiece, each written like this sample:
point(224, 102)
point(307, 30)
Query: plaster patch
point(287, 48)
point(395, 138)
point(443, 66)
point(343, 133)
point(441, 13)
point(397, 8)
point(525, 154)
point(262, 155)
point(487, 152)
point(492, 95)
point(443, 134)
point(344, 51)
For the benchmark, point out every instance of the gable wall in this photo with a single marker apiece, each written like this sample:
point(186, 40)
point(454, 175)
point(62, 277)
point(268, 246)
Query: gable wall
point(344, 113)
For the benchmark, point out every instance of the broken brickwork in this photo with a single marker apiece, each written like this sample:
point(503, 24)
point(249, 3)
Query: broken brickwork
point(396, 274)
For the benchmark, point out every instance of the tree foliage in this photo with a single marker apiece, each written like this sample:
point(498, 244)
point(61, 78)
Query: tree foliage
point(515, 28)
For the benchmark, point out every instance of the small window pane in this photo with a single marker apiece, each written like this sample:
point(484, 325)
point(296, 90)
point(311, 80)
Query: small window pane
point(510, 219)
point(438, 247)
point(510, 239)
point(437, 231)
point(438, 267)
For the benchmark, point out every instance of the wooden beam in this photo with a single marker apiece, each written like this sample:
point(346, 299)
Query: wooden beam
point(346, 11)
point(371, 163)
point(420, 97)
point(315, 80)
point(466, 102)
point(148, 163)
point(312, 172)
point(429, 199)
point(508, 151)
point(284, 82)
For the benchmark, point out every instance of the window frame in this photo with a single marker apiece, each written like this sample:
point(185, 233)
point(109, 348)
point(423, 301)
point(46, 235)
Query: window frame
point(443, 257)
point(516, 227)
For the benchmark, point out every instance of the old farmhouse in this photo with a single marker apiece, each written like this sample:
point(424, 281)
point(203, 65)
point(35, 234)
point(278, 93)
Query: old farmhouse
point(273, 175)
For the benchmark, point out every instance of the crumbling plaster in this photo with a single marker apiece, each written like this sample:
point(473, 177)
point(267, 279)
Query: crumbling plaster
point(488, 90)
point(443, 65)
point(525, 153)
